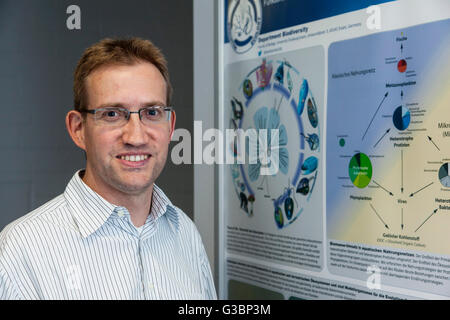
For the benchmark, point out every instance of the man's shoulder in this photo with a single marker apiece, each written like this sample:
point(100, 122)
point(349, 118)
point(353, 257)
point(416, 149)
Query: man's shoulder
point(33, 221)
point(187, 229)
point(185, 223)
point(176, 215)
point(184, 220)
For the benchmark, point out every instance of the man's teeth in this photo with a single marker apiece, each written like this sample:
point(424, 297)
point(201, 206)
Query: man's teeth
point(134, 158)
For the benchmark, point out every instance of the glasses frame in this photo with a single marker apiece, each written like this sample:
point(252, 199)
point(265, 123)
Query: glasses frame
point(128, 112)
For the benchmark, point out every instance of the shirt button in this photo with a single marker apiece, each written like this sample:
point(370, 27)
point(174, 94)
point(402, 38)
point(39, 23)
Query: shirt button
point(121, 211)
point(150, 286)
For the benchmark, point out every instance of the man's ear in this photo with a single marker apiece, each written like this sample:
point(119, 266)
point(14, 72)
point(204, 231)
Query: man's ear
point(172, 123)
point(75, 127)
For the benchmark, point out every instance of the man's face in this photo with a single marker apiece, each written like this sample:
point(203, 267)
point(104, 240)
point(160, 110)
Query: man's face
point(131, 87)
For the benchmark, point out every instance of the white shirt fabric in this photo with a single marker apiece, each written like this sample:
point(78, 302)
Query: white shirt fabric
point(80, 246)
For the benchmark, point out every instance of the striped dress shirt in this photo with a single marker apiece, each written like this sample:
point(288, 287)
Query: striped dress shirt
point(80, 246)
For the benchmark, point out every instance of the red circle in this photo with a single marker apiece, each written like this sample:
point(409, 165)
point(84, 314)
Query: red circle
point(401, 65)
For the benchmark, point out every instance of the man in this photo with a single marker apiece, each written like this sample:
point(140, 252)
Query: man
point(112, 234)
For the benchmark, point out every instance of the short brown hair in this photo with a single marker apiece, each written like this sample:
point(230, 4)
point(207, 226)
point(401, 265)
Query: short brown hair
point(116, 51)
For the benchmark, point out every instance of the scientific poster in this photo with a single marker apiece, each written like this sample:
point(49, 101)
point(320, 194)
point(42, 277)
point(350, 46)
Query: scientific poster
point(266, 93)
point(339, 184)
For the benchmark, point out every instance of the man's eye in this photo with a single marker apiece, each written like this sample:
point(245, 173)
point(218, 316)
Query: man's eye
point(153, 113)
point(110, 115)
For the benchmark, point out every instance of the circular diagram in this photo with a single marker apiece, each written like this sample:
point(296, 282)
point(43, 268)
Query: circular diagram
point(360, 170)
point(401, 65)
point(282, 142)
point(401, 118)
point(444, 175)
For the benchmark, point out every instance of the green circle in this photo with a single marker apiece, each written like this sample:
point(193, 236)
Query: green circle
point(342, 142)
point(360, 170)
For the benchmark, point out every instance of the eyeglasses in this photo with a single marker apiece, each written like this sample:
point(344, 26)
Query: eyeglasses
point(117, 116)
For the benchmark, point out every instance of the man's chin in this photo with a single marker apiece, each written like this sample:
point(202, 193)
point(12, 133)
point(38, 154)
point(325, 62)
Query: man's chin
point(133, 188)
point(133, 184)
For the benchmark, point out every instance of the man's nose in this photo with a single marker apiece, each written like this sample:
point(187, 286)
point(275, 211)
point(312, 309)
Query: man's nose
point(134, 131)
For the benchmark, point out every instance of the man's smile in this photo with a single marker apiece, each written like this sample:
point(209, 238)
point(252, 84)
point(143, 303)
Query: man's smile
point(134, 159)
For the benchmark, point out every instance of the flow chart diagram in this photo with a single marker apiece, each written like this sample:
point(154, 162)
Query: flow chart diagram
point(388, 123)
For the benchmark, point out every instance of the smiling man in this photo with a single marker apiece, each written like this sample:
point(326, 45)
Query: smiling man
point(112, 234)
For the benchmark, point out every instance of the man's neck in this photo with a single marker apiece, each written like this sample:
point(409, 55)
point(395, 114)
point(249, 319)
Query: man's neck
point(138, 205)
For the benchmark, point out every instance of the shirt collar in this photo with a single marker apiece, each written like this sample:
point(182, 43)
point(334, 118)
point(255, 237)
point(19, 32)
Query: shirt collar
point(90, 210)
point(162, 205)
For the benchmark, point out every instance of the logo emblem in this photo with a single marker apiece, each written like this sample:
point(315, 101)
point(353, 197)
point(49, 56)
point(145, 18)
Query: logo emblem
point(244, 23)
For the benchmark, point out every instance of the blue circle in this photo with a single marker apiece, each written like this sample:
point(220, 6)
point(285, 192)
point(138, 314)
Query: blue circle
point(401, 118)
point(282, 90)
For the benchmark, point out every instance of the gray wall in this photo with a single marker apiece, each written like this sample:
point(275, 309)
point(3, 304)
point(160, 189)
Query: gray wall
point(37, 57)
point(205, 110)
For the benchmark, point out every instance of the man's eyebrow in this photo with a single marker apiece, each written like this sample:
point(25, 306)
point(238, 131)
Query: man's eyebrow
point(123, 105)
point(111, 105)
point(153, 103)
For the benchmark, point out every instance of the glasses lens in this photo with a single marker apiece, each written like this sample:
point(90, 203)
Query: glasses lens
point(111, 116)
point(154, 114)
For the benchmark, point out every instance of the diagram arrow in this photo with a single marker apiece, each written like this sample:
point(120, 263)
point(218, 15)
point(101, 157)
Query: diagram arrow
point(402, 219)
point(387, 131)
point(429, 138)
point(426, 219)
point(412, 194)
point(385, 95)
point(386, 226)
point(402, 173)
point(383, 188)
